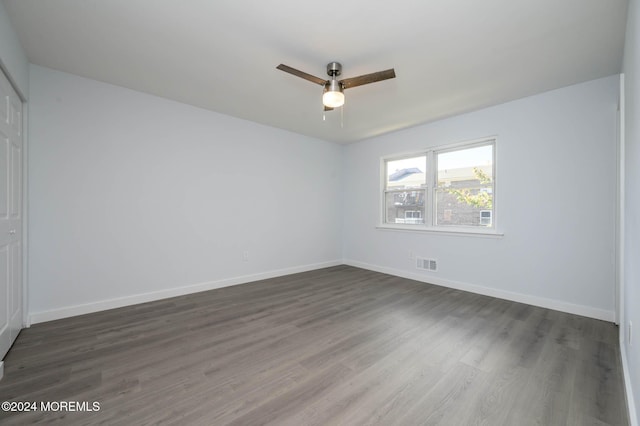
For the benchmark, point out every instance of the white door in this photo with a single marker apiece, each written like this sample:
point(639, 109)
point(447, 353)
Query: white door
point(10, 215)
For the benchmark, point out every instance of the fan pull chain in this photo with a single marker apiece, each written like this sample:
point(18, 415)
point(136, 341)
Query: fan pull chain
point(342, 117)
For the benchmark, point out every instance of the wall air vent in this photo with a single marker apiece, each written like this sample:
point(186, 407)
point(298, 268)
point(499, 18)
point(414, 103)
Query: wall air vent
point(426, 264)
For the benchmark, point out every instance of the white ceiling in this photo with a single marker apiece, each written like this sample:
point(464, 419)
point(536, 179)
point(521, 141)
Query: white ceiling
point(450, 56)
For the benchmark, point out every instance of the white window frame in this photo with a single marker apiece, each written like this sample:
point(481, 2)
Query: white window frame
point(429, 189)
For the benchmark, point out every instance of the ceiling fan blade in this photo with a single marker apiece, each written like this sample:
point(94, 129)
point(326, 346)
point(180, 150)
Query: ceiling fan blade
point(368, 78)
point(326, 108)
point(302, 74)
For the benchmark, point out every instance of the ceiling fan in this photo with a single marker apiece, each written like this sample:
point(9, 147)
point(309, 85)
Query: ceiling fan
point(333, 95)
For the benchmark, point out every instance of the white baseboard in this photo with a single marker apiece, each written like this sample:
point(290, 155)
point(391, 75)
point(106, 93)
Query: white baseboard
point(542, 302)
point(631, 405)
point(70, 311)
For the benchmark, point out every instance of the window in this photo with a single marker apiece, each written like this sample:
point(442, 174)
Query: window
point(404, 190)
point(449, 187)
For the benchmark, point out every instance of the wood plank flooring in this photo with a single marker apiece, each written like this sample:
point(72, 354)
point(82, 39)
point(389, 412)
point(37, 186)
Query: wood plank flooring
point(339, 346)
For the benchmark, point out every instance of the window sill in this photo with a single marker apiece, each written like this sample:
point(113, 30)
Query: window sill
point(460, 232)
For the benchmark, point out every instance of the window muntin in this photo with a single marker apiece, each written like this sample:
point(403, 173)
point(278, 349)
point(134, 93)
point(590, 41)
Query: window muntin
point(449, 187)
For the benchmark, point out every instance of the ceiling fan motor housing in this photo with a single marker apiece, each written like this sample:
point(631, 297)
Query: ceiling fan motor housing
point(334, 69)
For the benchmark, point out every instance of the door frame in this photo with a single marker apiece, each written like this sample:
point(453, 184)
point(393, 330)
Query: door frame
point(620, 217)
point(26, 318)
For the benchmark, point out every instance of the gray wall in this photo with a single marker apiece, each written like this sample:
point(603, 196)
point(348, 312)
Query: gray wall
point(132, 196)
point(12, 58)
point(555, 203)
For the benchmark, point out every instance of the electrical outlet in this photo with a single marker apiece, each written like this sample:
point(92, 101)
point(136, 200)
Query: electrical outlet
point(630, 333)
point(245, 256)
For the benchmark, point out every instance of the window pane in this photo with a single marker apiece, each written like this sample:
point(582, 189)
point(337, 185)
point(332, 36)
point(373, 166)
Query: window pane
point(406, 173)
point(404, 207)
point(464, 195)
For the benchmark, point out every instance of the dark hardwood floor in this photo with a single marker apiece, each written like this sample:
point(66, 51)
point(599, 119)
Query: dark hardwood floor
point(335, 346)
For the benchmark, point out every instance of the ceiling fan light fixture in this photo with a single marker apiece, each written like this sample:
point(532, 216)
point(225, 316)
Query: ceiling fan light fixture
point(333, 96)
